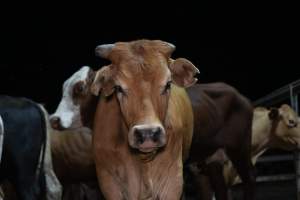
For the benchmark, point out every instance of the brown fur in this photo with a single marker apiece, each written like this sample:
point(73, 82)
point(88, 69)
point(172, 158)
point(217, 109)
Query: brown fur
point(141, 68)
point(72, 155)
point(223, 120)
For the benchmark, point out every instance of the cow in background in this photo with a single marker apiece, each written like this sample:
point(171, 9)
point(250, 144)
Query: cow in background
point(1, 137)
point(223, 119)
point(72, 141)
point(275, 128)
point(26, 156)
point(1, 148)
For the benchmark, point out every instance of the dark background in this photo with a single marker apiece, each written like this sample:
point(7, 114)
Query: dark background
point(256, 52)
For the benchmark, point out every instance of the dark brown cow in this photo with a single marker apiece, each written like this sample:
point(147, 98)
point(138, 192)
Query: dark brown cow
point(223, 121)
point(143, 123)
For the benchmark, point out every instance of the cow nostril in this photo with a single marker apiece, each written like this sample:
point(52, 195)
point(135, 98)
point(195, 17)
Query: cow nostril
point(149, 134)
point(55, 122)
point(139, 136)
point(55, 119)
point(156, 132)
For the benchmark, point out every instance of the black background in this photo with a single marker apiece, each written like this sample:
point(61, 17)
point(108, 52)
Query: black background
point(256, 52)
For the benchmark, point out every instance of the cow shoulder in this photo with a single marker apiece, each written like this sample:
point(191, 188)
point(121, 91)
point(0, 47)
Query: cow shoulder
point(180, 116)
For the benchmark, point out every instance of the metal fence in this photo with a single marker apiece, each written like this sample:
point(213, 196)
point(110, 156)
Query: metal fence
point(289, 92)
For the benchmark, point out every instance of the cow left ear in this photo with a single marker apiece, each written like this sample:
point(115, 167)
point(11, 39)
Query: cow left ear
point(183, 72)
point(103, 82)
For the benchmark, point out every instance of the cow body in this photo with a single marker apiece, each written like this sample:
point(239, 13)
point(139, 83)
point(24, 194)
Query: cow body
point(72, 155)
point(24, 144)
point(74, 164)
point(139, 176)
point(223, 120)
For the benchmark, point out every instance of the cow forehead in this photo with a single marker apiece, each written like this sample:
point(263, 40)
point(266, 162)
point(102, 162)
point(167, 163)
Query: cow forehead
point(143, 66)
point(80, 75)
point(141, 75)
point(287, 111)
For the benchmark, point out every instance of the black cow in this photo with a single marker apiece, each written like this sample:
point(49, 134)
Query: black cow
point(24, 147)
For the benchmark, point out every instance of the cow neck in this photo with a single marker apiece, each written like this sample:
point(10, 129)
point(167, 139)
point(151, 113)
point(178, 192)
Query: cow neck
point(88, 110)
point(265, 145)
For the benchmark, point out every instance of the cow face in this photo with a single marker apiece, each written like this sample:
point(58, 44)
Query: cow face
point(141, 75)
point(72, 111)
point(287, 133)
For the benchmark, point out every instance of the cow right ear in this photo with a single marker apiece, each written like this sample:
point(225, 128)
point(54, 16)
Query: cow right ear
point(103, 82)
point(183, 72)
point(274, 113)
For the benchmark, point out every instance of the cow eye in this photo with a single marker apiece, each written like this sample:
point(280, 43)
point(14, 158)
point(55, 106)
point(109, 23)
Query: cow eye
point(119, 89)
point(79, 88)
point(167, 87)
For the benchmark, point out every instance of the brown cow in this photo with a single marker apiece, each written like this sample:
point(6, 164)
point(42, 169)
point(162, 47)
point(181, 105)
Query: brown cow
point(143, 123)
point(72, 155)
point(275, 128)
point(74, 164)
point(223, 119)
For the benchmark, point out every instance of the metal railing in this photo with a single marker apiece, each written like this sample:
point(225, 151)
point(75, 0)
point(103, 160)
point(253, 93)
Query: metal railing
point(288, 92)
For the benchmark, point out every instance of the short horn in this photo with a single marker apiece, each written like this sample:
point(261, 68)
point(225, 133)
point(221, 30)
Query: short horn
point(171, 46)
point(104, 50)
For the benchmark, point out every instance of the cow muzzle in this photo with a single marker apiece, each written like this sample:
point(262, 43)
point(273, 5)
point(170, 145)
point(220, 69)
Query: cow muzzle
point(55, 122)
point(147, 138)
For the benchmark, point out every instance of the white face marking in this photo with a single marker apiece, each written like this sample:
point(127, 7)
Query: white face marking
point(67, 111)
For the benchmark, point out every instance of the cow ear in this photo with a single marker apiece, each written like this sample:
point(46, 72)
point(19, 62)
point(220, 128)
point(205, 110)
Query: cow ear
point(183, 72)
point(103, 82)
point(274, 113)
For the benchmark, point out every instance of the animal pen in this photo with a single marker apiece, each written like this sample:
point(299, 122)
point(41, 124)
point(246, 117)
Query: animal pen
point(278, 172)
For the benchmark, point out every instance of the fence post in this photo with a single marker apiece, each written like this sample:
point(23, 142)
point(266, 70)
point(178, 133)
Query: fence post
point(294, 104)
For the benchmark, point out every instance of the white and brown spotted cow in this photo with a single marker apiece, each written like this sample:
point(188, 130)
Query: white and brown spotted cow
point(72, 143)
point(75, 109)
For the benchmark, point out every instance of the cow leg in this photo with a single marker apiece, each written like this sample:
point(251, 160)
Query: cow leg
point(27, 185)
point(242, 162)
point(215, 172)
point(197, 185)
point(204, 187)
point(25, 191)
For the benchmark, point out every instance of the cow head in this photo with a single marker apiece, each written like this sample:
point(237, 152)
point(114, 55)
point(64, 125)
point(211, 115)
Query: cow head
point(287, 133)
point(141, 75)
point(74, 109)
